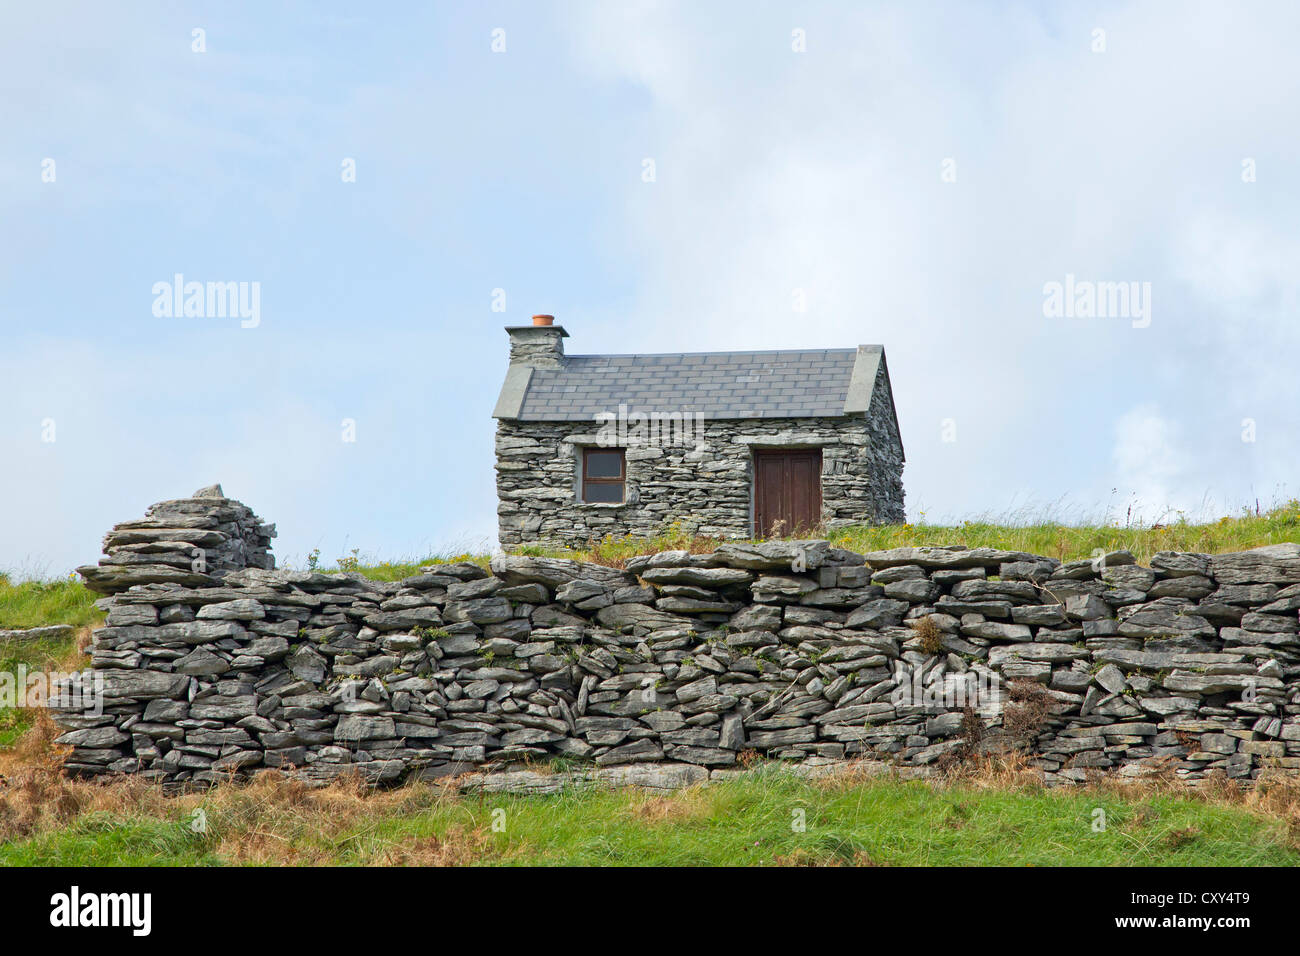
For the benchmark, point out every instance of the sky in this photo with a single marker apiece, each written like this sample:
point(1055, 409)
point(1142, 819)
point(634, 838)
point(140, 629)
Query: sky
point(401, 181)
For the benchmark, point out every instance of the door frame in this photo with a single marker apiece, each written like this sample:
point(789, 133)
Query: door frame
point(755, 452)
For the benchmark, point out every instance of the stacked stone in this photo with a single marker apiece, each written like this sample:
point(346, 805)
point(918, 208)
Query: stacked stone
point(683, 662)
point(192, 541)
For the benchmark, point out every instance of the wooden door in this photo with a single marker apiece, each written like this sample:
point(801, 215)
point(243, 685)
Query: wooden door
point(787, 492)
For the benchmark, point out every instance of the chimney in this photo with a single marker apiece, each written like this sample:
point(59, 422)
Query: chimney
point(540, 345)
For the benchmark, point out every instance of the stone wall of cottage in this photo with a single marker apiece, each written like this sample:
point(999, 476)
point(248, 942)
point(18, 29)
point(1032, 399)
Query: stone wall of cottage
point(883, 457)
point(668, 671)
point(704, 485)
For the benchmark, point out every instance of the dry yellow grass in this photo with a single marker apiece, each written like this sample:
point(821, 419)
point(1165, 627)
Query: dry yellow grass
point(35, 796)
point(459, 846)
point(657, 808)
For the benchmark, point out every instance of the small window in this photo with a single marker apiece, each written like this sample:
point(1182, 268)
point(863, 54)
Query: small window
point(602, 475)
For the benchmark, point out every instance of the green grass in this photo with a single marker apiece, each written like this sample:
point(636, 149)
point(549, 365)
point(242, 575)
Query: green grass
point(883, 822)
point(37, 603)
point(1052, 539)
point(34, 604)
point(104, 839)
point(392, 570)
point(397, 570)
point(747, 821)
point(1068, 542)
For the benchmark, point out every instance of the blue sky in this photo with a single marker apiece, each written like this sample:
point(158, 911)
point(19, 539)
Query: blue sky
point(779, 176)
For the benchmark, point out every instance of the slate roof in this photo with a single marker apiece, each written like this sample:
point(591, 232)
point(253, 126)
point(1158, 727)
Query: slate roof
point(813, 383)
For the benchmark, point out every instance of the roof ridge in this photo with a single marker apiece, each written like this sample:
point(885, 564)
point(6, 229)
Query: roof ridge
point(839, 351)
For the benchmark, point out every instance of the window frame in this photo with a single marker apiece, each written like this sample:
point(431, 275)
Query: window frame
point(621, 480)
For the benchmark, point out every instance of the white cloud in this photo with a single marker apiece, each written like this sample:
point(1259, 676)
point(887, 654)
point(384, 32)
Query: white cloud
point(821, 171)
point(1149, 464)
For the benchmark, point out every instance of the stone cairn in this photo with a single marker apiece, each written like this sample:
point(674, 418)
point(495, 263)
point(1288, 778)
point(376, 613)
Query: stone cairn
point(191, 541)
point(670, 670)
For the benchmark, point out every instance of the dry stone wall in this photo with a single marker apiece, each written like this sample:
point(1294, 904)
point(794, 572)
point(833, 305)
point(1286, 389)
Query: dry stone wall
point(670, 670)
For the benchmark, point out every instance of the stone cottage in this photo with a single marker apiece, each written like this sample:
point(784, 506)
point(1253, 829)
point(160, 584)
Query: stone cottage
point(732, 444)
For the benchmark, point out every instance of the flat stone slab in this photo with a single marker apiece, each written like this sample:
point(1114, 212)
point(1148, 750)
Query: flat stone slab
point(51, 632)
point(647, 776)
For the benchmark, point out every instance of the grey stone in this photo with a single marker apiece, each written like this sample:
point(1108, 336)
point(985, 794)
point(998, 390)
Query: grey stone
point(51, 632)
point(554, 572)
point(1086, 607)
point(773, 555)
point(877, 614)
point(306, 664)
point(699, 577)
point(143, 684)
point(1273, 564)
point(1178, 564)
point(93, 737)
point(1112, 678)
point(244, 609)
point(355, 727)
point(201, 663)
point(946, 558)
